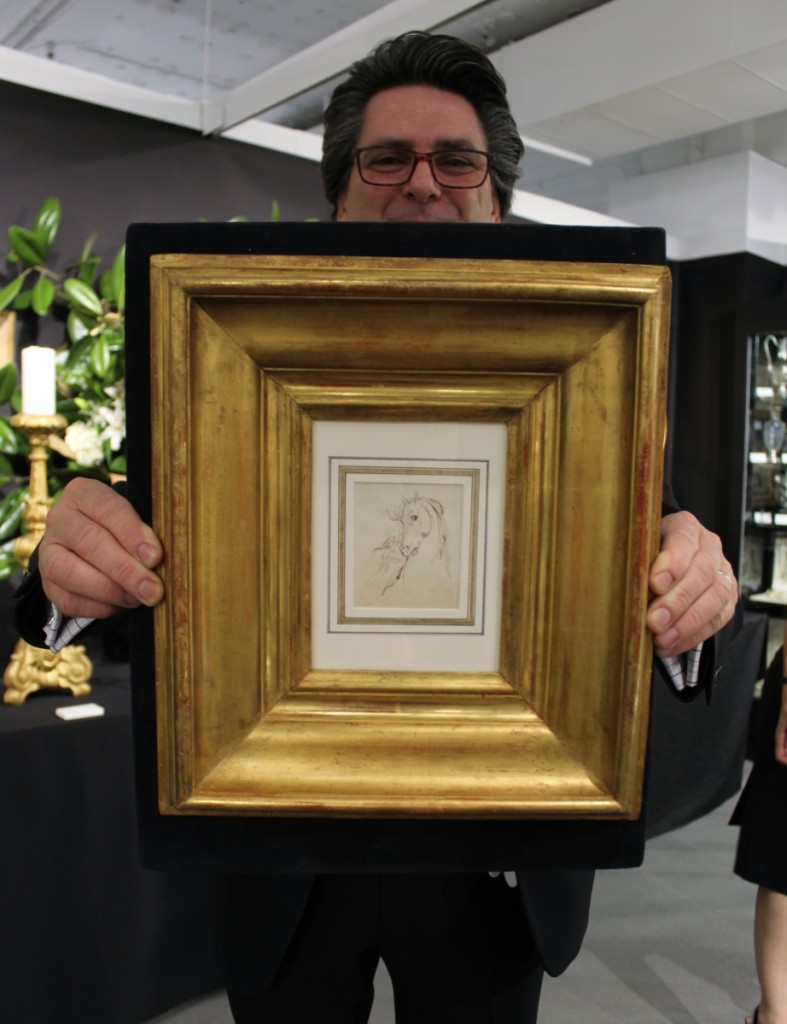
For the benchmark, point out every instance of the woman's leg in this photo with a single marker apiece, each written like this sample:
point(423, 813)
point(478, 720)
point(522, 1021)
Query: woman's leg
point(770, 953)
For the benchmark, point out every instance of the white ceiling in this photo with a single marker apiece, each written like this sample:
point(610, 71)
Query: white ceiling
point(618, 88)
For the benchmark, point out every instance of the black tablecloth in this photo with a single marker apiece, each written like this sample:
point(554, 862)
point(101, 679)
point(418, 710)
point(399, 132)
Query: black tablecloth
point(88, 936)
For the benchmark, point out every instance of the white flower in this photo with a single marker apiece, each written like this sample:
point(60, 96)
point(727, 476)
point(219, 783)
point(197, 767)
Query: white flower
point(110, 420)
point(84, 442)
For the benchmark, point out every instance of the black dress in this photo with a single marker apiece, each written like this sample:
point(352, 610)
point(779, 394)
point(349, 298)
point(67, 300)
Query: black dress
point(761, 811)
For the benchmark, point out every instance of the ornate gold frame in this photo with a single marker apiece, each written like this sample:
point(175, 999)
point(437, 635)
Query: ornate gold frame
point(247, 352)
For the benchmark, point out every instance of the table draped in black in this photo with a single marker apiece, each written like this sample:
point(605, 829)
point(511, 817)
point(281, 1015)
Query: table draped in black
point(88, 936)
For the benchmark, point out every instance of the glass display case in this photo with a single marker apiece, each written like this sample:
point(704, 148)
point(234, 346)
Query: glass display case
point(763, 565)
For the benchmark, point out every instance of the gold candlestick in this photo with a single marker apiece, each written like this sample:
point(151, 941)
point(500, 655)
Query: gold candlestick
point(34, 668)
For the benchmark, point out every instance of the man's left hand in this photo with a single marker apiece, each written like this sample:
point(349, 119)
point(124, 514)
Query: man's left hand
point(693, 586)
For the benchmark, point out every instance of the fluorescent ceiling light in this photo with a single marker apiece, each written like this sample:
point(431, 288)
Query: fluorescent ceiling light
point(564, 154)
point(543, 210)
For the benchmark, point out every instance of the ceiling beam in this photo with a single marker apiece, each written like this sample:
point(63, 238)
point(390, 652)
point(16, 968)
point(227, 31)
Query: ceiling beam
point(62, 80)
point(292, 141)
point(326, 59)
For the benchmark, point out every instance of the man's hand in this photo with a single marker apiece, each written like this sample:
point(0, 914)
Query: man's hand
point(693, 584)
point(97, 555)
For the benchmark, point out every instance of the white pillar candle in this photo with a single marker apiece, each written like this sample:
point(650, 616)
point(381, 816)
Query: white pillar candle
point(38, 380)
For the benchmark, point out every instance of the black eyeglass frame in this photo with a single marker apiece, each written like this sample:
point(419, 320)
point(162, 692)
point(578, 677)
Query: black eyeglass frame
point(418, 156)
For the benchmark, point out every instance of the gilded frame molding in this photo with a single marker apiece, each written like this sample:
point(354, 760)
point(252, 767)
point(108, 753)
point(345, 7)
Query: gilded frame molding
point(247, 352)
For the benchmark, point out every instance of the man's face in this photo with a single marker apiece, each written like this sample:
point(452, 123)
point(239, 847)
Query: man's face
point(423, 119)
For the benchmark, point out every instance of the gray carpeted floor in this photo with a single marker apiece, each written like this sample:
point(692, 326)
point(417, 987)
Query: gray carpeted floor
point(669, 943)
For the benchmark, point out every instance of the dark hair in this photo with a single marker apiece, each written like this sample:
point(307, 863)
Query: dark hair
point(420, 58)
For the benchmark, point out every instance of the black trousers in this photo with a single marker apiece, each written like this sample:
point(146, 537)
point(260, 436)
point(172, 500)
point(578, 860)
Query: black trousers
point(457, 949)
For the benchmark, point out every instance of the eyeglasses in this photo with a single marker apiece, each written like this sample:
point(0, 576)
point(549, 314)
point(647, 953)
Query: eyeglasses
point(451, 168)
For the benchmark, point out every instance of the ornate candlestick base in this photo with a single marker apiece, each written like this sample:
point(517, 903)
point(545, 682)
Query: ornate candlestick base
point(33, 668)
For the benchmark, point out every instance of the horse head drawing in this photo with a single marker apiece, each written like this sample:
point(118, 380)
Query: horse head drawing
point(423, 524)
point(419, 546)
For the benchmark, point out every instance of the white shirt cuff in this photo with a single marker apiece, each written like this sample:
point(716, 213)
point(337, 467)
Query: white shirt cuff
point(684, 669)
point(59, 631)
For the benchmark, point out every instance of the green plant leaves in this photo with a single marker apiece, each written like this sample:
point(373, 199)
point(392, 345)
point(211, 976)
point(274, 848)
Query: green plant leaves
point(26, 245)
point(87, 269)
point(74, 369)
point(82, 296)
point(11, 441)
point(6, 471)
point(90, 363)
point(43, 296)
point(11, 508)
point(100, 357)
point(119, 279)
point(23, 299)
point(11, 290)
point(78, 326)
point(8, 379)
point(9, 563)
point(46, 223)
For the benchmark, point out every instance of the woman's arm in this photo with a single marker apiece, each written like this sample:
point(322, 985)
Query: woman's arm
point(780, 739)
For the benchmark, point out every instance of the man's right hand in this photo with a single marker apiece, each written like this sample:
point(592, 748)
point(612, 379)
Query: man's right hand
point(97, 556)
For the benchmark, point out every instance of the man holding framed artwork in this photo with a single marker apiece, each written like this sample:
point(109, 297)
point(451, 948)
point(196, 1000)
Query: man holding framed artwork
point(420, 132)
